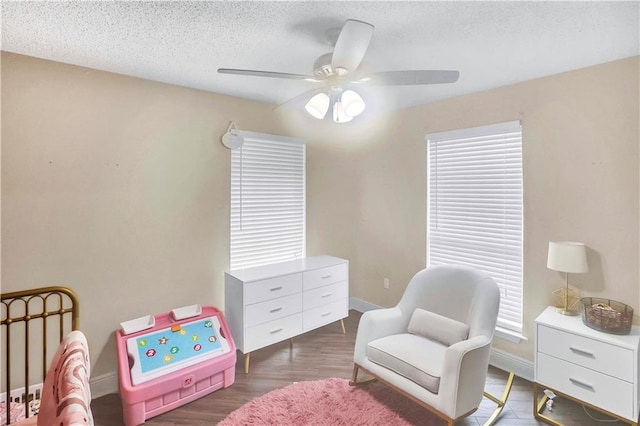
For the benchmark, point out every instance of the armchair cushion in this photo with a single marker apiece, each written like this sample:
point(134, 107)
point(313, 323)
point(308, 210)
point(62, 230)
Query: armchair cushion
point(414, 357)
point(437, 327)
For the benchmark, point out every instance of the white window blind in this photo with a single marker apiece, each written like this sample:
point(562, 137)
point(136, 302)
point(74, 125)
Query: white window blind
point(474, 205)
point(267, 200)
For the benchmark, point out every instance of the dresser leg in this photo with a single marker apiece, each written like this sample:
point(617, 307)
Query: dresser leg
point(343, 329)
point(247, 358)
point(291, 343)
point(539, 406)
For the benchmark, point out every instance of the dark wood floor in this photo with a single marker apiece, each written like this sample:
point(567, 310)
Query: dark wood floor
point(322, 353)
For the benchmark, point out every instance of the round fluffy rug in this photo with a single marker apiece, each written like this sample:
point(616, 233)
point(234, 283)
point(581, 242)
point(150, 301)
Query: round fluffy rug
point(331, 402)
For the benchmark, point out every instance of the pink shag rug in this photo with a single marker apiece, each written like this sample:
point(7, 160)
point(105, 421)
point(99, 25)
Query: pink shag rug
point(332, 402)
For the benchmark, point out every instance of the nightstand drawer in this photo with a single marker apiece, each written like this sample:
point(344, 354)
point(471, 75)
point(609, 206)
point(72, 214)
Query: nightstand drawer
point(600, 356)
point(601, 390)
point(323, 276)
point(323, 295)
point(259, 291)
point(273, 309)
point(273, 332)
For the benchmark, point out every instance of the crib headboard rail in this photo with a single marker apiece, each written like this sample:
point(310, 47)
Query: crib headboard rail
point(32, 324)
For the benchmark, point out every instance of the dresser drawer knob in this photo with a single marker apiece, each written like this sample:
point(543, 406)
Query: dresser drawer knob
point(277, 330)
point(325, 314)
point(274, 310)
point(276, 288)
point(326, 295)
point(324, 277)
point(581, 383)
point(581, 352)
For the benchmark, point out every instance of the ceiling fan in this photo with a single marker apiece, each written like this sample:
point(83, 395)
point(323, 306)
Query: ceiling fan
point(339, 71)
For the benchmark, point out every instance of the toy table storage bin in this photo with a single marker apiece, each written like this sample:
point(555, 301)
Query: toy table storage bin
point(165, 387)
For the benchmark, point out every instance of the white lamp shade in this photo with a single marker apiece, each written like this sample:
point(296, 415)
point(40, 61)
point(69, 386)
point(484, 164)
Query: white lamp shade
point(567, 256)
point(318, 105)
point(352, 103)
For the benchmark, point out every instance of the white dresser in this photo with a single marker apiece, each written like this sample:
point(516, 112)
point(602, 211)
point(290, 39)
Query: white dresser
point(587, 365)
point(268, 304)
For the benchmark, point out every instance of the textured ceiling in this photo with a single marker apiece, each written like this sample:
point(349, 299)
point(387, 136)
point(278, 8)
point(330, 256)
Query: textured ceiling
point(492, 44)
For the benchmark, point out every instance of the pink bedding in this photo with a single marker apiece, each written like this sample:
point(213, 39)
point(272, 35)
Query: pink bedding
point(66, 396)
point(17, 413)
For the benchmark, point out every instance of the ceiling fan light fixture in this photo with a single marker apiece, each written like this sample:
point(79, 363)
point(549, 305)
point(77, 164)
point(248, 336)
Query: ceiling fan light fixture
point(318, 105)
point(352, 103)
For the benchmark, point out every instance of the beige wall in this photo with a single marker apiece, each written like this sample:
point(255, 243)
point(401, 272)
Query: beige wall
point(118, 187)
point(581, 182)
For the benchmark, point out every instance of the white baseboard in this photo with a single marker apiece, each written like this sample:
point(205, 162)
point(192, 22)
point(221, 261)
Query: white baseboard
point(508, 362)
point(104, 385)
point(498, 358)
point(361, 305)
point(108, 383)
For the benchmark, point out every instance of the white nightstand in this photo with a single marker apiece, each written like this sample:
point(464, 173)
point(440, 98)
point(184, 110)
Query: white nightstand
point(590, 367)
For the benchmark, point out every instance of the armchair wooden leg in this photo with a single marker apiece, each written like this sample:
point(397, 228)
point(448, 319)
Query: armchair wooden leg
point(354, 377)
point(500, 402)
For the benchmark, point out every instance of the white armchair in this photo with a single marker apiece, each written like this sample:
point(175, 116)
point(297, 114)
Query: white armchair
point(434, 346)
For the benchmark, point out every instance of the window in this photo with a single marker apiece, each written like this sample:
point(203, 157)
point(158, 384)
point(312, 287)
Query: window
point(474, 203)
point(267, 200)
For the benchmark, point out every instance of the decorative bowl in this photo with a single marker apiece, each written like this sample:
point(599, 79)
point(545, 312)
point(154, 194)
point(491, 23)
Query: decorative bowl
point(607, 315)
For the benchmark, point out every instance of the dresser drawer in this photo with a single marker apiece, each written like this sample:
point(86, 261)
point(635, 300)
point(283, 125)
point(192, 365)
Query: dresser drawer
point(600, 356)
point(325, 314)
point(271, 332)
point(323, 276)
point(603, 391)
point(273, 309)
point(323, 295)
point(259, 291)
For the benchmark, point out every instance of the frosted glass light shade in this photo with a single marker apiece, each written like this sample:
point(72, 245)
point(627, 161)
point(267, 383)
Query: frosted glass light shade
point(318, 105)
point(352, 103)
point(567, 256)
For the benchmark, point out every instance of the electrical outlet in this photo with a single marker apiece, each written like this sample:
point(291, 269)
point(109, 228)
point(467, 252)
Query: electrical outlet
point(386, 283)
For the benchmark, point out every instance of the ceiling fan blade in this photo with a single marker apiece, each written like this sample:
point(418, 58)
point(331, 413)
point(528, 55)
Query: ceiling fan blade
point(271, 74)
point(406, 78)
point(300, 99)
point(351, 45)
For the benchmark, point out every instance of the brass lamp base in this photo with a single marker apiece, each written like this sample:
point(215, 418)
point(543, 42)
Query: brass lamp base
point(568, 313)
point(567, 300)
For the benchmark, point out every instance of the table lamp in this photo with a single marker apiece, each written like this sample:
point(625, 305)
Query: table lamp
point(568, 257)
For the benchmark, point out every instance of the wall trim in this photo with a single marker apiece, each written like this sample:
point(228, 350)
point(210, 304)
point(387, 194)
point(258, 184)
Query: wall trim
point(108, 383)
point(104, 384)
point(361, 305)
point(508, 362)
point(498, 358)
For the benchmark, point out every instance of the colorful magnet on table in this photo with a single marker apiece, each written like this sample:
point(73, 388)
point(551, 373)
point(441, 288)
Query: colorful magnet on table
point(175, 328)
